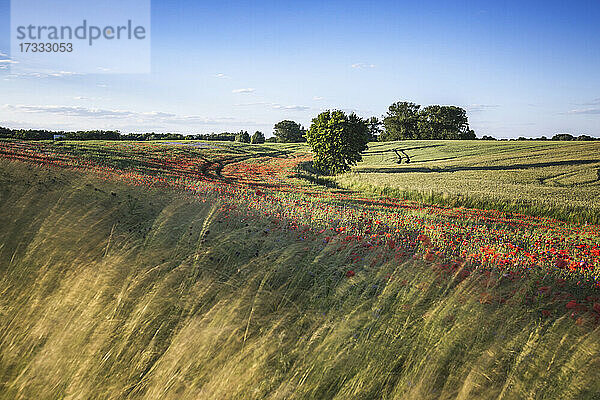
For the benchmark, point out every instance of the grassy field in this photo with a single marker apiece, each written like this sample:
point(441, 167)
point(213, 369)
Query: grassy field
point(147, 270)
point(558, 179)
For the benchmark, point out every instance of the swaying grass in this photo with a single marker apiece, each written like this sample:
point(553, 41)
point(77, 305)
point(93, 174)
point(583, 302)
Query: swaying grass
point(111, 291)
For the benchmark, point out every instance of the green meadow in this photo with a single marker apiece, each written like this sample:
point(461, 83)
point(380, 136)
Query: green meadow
point(544, 178)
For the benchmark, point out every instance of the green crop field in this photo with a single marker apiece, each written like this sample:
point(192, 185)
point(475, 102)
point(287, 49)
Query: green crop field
point(197, 270)
point(559, 179)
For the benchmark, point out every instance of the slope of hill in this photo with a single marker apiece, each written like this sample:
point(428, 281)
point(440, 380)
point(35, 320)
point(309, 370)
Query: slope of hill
point(180, 273)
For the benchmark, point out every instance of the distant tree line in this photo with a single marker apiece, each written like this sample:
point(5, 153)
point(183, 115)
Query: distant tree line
point(405, 120)
point(557, 137)
point(40, 134)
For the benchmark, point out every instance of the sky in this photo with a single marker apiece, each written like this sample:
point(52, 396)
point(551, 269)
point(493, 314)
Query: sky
point(519, 68)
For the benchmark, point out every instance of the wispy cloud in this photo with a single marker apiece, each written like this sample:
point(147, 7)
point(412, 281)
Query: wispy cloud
point(585, 111)
point(71, 111)
point(594, 102)
point(8, 61)
point(274, 106)
point(245, 90)
point(318, 98)
point(221, 75)
point(98, 113)
point(41, 75)
point(57, 74)
point(362, 65)
point(290, 108)
point(475, 108)
point(3, 54)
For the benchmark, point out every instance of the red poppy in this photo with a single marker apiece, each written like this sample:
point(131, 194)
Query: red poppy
point(350, 274)
point(571, 304)
point(546, 313)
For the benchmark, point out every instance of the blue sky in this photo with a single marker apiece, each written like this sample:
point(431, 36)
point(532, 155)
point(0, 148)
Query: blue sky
point(519, 69)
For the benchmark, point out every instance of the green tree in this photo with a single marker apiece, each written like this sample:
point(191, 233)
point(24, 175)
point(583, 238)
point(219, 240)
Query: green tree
point(257, 138)
point(563, 137)
point(289, 132)
point(243, 137)
point(337, 140)
point(585, 138)
point(374, 127)
point(401, 121)
point(444, 122)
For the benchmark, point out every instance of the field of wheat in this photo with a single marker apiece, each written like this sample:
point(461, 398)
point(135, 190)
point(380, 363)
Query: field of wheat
point(560, 179)
point(217, 271)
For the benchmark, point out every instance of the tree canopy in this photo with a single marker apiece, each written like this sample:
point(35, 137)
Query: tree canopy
point(288, 131)
point(257, 138)
point(337, 140)
point(243, 137)
point(406, 120)
point(401, 121)
point(374, 127)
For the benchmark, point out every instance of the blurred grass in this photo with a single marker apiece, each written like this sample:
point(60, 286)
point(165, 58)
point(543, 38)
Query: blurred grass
point(111, 291)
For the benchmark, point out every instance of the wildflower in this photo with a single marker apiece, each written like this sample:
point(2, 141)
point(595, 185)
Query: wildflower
point(350, 274)
point(544, 289)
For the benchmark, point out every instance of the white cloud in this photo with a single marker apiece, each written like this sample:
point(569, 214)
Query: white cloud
point(3, 54)
point(274, 106)
point(290, 108)
point(474, 108)
point(318, 98)
point(586, 111)
point(62, 73)
point(594, 102)
point(245, 90)
point(136, 116)
point(71, 111)
point(221, 75)
point(8, 61)
point(362, 65)
point(55, 74)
